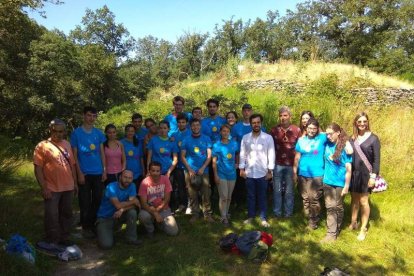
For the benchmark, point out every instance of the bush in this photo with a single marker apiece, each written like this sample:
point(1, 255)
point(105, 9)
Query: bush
point(13, 153)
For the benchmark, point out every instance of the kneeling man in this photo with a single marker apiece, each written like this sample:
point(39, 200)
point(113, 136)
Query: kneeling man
point(154, 194)
point(119, 205)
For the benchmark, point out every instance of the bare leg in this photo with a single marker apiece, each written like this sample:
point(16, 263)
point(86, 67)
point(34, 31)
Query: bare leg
point(355, 198)
point(365, 210)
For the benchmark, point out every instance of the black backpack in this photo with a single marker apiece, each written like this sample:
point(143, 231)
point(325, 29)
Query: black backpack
point(226, 243)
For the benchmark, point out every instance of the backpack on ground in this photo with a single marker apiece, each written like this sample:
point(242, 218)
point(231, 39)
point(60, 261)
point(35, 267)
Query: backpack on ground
point(227, 242)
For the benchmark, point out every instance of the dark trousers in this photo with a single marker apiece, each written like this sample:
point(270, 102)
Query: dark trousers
point(58, 216)
point(90, 195)
point(112, 178)
point(179, 194)
point(257, 197)
point(240, 192)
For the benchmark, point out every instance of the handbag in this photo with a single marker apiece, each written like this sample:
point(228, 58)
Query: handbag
point(380, 183)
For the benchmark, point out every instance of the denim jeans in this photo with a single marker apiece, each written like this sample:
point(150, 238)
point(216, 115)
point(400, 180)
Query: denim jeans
point(256, 195)
point(283, 174)
point(106, 227)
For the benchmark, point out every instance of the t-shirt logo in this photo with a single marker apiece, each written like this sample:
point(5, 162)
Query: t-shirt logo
point(214, 129)
point(162, 150)
point(196, 150)
point(130, 153)
point(92, 146)
point(229, 156)
point(179, 144)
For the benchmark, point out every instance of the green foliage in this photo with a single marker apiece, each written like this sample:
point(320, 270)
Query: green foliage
point(13, 153)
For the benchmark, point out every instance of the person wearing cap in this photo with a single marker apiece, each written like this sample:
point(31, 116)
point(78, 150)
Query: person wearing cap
point(55, 171)
point(285, 136)
point(257, 161)
point(178, 103)
point(119, 205)
point(196, 156)
point(87, 145)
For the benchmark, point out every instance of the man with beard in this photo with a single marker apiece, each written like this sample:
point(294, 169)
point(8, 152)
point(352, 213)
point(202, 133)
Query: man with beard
point(285, 136)
point(257, 161)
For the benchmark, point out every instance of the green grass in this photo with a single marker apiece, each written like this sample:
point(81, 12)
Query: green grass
point(296, 251)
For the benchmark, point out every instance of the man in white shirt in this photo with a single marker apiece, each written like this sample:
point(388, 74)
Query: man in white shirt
point(257, 161)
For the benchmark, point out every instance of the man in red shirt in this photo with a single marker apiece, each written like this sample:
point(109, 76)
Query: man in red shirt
point(285, 136)
point(154, 194)
point(55, 171)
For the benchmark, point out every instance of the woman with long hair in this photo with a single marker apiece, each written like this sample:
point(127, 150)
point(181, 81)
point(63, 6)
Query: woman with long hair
point(308, 170)
point(114, 155)
point(304, 118)
point(231, 118)
point(366, 153)
point(225, 157)
point(336, 179)
point(134, 154)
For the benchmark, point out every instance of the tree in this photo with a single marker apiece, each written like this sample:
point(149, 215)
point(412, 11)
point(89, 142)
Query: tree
point(189, 54)
point(99, 27)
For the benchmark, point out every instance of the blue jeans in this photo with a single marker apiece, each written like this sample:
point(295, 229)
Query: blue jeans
point(283, 174)
point(256, 195)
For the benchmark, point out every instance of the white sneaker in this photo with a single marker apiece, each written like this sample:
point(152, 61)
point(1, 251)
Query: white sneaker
point(265, 224)
point(248, 221)
point(188, 211)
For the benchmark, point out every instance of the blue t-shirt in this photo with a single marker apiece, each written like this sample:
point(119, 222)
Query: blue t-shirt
point(140, 134)
point(335, 171)
point(311, 162)
point(133, 156)
point(172, 120)
point(89, 151)
point(196, 151)
point(211, 127)
point(226, 159)
point(107, 209)
point(162, 151)
point(178, 138)
point(239, 130)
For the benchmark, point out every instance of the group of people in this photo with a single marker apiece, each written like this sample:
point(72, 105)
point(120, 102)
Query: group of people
point(157, 171)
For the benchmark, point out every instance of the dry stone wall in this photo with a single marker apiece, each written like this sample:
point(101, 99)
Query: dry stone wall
point(382, 96)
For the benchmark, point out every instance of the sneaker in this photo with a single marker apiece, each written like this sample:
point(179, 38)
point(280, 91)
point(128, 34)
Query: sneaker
point(248, 221)
point(209, 219)
point(193, 218)
point(88, 234)
point(135, 242)
point(188, 211)
point(362, 234)
point(265, 224)
point(328, 239)
point(180, 209)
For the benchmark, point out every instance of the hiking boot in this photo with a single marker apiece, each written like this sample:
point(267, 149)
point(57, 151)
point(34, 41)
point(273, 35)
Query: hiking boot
point(209, 219)
point(328, 239)
point(265, 224)
point(248, 221)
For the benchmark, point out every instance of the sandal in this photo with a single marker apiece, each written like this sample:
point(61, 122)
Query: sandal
point(362, 234)
point(353, 226)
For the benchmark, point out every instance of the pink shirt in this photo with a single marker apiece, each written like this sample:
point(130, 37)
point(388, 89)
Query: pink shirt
point(154, 192)
point(113, 159)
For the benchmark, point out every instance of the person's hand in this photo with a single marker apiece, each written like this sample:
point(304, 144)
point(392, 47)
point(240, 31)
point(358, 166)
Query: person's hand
point(168, 174)
point(118, 213)
point(191, 173)
point(81, 179)
point(268, 176)
point(200, 171)
point(345, 190)
point(243, 174)
point(104, 176)
point(217, 180)
point(158, 217)
point(46, 193)
point(371, 183)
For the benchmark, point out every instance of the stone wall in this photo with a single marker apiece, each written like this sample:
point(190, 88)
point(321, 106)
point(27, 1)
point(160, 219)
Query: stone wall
point(383, 96)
